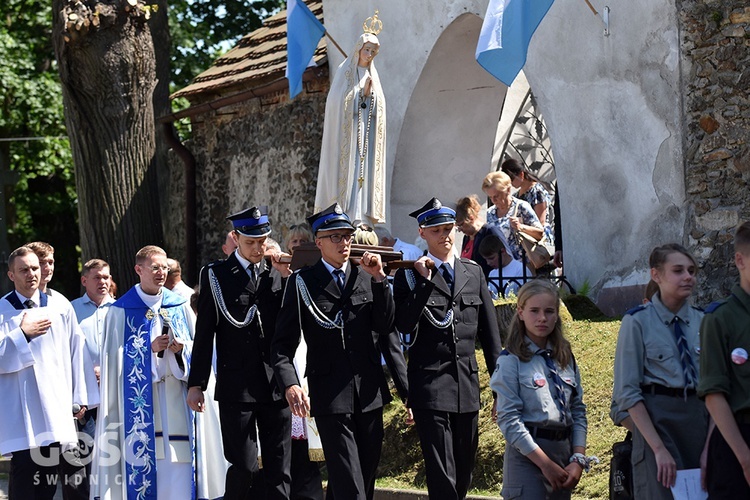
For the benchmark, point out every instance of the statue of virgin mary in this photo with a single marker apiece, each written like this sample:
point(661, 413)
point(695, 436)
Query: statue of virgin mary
point(352, 157)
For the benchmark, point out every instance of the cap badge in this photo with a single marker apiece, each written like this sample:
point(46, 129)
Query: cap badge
point(337, 209)
point(437, 205)
point(256, 214)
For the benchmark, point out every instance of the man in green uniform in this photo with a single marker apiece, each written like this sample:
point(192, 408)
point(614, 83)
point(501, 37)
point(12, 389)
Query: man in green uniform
point(725, 381)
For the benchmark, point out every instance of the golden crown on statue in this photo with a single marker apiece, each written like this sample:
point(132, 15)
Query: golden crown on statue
point(373, 24)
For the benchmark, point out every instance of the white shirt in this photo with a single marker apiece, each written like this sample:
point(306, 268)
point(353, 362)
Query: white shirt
point(451, 264)
point(409, 251)
point(91, 320)
point(246, 264)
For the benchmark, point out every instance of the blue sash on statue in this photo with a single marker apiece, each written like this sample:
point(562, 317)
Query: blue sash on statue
point(138, 407)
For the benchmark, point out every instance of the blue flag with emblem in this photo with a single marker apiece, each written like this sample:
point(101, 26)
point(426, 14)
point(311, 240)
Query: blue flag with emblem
point(303, 32)
point(506, 32)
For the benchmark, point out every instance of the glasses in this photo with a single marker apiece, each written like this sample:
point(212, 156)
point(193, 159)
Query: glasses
point(338, 238)
point(156, 269)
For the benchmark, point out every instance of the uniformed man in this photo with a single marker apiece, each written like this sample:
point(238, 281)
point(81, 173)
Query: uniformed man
point(725, 383)
point(346, 315)
point(444, 308)
point(238, 304)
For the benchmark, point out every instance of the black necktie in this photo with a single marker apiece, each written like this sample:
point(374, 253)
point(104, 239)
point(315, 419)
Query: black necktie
point(446, 272)
point(339, 274)
point(253, 277)
point(29, 304)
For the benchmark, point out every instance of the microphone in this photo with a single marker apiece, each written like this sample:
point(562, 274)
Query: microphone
point(76, 409)
point(164, 331)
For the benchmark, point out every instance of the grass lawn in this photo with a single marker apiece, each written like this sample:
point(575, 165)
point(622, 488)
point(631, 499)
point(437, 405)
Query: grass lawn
point(593, 338)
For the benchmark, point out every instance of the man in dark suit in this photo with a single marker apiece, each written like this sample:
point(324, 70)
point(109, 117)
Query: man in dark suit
point(346, 314)
point(445, 309)
point(238, 305)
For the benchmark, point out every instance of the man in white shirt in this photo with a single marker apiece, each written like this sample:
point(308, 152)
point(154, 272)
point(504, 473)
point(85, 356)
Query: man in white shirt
point(44, 374)
point(409, 251)
point(174, 280)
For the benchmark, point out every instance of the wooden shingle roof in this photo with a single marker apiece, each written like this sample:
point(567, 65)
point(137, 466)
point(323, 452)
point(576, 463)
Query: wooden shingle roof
point(257, 59)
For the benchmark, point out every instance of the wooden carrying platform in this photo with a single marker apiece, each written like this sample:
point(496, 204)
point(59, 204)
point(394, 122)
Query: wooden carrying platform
point(308, 254)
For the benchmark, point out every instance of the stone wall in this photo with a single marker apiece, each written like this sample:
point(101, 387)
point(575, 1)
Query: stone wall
point(715, 38)
point(261, 151)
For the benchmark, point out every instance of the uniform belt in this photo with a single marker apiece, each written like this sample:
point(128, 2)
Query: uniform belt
point(661, 390)
point(742, 417)
point(549, 434)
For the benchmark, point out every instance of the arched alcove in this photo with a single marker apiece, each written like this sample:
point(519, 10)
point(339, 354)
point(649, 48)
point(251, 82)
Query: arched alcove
point(446, 141)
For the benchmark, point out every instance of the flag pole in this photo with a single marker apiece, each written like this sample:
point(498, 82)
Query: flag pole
point(591, 7)
point(328, 35)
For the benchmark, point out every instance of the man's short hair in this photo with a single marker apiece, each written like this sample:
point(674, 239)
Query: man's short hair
point(742, 239)
point(174, 267)
point(40, 248)
point(93, 264)
point(19, 252)
point(147, 252)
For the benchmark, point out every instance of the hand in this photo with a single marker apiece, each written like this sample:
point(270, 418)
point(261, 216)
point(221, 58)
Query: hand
point(372, 265)
point(175, 346)
point(409, 416)
point(422, 266)
point(556, 475)
point(368, 86)
point(574, 471)
point(160, 343)
point(494, 409)
point(283, 269)
point(80, 413)
point(558, 258)
point(666, 468)
point(98, 373)
point(34, 327)
point(515, 223)
point(195, 399)
point(298, 401)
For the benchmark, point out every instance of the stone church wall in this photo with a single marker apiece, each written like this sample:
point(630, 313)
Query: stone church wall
point(716, 69)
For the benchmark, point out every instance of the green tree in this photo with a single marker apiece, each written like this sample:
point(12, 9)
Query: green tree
point(36, 174)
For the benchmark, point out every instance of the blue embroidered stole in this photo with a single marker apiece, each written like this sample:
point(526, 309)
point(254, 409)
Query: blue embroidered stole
point(138, 407)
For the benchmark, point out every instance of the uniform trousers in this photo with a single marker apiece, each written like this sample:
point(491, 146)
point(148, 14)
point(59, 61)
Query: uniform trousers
point(306, 483)
point(523, 479)
point(449, 446)
point(724, 476)
point(31, 478)
point(682, 426)
point(351, 443)
point(239, 437)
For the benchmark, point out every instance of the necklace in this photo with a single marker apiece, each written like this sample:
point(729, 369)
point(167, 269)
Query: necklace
point(363, 136)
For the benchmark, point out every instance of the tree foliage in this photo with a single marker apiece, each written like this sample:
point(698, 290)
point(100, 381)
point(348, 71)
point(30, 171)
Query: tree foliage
point(202, 29)
point(42, 204)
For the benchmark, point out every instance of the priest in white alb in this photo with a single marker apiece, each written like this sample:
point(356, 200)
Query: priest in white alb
point(146, 444)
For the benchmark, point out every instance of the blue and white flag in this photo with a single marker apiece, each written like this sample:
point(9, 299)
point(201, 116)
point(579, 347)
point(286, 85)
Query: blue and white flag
point(505, 36)
point(303, 32)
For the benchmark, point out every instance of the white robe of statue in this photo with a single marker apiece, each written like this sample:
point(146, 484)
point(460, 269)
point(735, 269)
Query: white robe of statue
point(345, 137)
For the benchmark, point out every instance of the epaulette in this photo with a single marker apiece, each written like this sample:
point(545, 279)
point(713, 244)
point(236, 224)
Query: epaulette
point(504, 352)
point(636, 309)
point(715, 305)
point(698, 308)
point(216, 263)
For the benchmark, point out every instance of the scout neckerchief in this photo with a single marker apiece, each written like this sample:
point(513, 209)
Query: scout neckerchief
point(138, 408)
